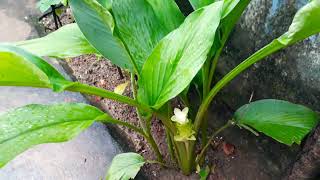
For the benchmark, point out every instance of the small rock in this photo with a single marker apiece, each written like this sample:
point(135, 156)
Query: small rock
point(228, 148)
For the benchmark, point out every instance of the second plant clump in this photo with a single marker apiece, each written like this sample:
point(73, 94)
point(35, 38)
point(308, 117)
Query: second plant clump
point(167, 54)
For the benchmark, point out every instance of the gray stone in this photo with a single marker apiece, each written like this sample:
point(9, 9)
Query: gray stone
point(85, 157)
point(292, 74)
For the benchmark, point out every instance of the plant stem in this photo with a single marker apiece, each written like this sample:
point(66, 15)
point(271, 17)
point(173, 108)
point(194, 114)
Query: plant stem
point(157, 162)
point(203, 151)
point(108, 119)
point(214, 66)
point(167, 122)
point(134, 92)
point(170, 145)
point(86, 89)
point(206, 82)
point(259, 55)
point(155, 147)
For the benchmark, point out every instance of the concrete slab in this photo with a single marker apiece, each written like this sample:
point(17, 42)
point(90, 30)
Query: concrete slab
point(84, 158)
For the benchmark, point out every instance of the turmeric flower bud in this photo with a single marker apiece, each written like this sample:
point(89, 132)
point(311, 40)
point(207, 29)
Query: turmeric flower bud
point(180, 117)
point(183, 125)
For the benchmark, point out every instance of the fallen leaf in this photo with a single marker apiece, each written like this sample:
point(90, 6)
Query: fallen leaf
point(121, 88)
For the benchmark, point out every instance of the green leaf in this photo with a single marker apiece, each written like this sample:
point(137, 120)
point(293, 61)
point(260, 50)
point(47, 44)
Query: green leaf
point(196, 4)
point(283, 121)
point(44, 5)
point(140, 27)
point(25, 127)
point(204, 173)
point(66, 42)
point(167, 12)
point(21, 68)
point(305, 24)
point(178, 57)
point(125, 166)
point(97, 25)
point(64, 2)
point(106, 4)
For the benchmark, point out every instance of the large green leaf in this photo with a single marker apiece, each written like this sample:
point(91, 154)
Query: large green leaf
point(139, 27)
point(66, 42)
point(20, 68)
point(106, 3)
point(285, 122)
point(44, 5)
point(305, 23)
point(196, 4)
point(97, 25)
point(125, 166)
point(31, 125)
point(167, 12)
point(178, 57)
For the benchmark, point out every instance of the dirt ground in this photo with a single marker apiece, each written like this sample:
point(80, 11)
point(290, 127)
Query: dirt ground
point(235, 155)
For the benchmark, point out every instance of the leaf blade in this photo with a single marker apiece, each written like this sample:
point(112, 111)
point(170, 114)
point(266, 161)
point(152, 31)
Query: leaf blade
point(196, 4)
point(305, 23)
point(140, 27)
point(17, 63)
point(285, 122)
point(125, 166)
point(174, 56)
point(97, 25)
point(66, 42)
point(44, 5)
point(25, 127)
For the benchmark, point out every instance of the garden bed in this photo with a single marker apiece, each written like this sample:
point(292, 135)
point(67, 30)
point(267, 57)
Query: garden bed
point(252, 158)
point(236, 154)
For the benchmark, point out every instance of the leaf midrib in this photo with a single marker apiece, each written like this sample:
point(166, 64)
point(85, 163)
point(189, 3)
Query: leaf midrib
point(121, 169)
point(38, 128)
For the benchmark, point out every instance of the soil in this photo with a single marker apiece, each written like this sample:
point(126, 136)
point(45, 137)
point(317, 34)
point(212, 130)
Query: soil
point(236, 154)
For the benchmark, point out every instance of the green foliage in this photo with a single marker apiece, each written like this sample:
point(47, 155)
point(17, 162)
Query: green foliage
point(305, 24)
point(106, 3)
point(97, 25)
point(125, 166)
point(139, 27)
point(196, 4)
point(178, 57)
point(44, 5)
point(17, 63)
point(66, 42)
point(286, 122)
point(149, 38)
point(31, 125)
point(167, 12)
point(204, 173)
